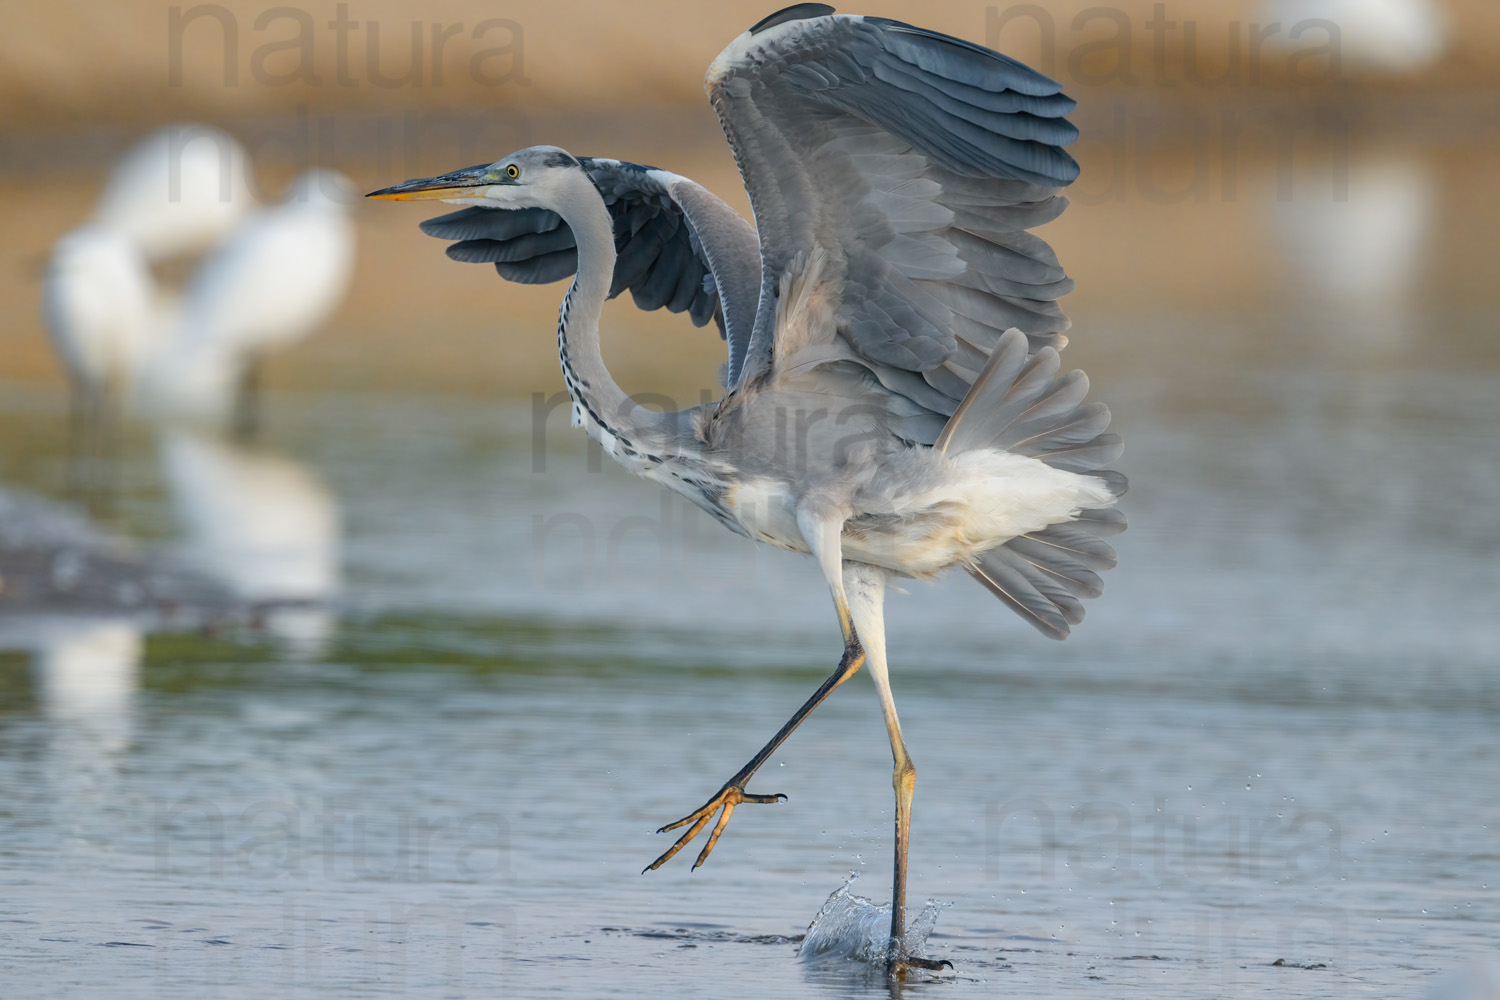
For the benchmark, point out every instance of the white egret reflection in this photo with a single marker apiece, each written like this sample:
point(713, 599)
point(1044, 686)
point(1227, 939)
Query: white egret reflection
point(263, 525)
point(87, 671)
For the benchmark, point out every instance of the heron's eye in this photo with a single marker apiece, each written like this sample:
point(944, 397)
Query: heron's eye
point(513, 171)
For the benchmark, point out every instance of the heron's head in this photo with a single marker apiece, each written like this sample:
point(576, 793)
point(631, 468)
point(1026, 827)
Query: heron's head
point(528, 178)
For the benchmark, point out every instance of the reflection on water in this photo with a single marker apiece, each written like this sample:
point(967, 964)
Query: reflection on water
point(258, 541)
point(263, 525)
point(87, 672)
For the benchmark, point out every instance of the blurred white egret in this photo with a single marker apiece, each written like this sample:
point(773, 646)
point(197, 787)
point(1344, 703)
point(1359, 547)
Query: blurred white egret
point(1395, 36)
point(275, 280)
point(176, 191)
point(179, 190)
point(1365, 242)
point(1356, 254)
point(97, 302)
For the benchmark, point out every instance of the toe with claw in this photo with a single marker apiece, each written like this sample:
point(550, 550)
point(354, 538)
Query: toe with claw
point(899, 965)
point(727, 798)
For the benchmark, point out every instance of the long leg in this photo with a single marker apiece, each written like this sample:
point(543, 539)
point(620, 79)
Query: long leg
point(89, 443)
point(111, 429)
point(245, 423)
point(865, 586)
point(822, 536)
point(80, 421)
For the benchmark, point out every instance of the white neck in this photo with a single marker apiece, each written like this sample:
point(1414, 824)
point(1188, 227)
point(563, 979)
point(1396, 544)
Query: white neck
point(599, 404)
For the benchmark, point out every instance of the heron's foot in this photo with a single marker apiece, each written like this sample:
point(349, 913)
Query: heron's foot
point(898, 965)
point(728, 797)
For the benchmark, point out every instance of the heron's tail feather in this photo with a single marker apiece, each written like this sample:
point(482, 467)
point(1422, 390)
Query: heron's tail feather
point(1044, 576)
point(1047, 603)
point(1019, 405)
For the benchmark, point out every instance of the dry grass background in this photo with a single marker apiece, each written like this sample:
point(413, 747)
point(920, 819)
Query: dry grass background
point(81, 61)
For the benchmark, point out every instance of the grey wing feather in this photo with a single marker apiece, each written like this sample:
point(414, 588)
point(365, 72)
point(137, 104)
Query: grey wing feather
point(918, 161)
point(529, 245)
point(727, 244)
point(678, 247)
point(1019, 404)
point(487, 224)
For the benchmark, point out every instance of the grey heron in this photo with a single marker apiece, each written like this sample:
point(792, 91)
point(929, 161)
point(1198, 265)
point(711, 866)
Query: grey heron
point(892, 405)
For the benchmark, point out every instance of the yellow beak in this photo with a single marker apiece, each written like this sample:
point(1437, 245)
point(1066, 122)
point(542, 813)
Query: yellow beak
point(458, 184)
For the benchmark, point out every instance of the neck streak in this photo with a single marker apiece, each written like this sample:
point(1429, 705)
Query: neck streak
point(599, 404)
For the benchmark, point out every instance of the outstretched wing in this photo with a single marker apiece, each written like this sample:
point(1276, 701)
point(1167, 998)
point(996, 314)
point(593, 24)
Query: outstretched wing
point(901, 168)
point(679, 247)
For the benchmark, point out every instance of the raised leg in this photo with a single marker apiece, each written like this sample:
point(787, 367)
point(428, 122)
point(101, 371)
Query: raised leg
point(733, 792)
point(865, 586)
point(822, 533)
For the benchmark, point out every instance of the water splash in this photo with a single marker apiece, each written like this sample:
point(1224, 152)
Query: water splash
point(851, 927)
